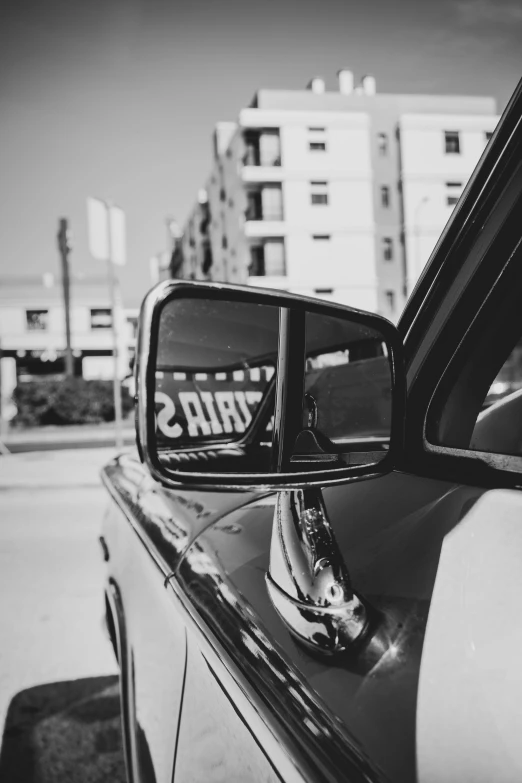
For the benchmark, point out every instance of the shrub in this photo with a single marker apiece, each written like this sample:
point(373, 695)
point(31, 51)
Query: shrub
point(70, 401)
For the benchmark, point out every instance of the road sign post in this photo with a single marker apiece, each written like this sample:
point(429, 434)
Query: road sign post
point(107, 243)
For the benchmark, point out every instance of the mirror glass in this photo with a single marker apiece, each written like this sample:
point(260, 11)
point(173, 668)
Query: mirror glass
point(348, 384)
point(215, 387)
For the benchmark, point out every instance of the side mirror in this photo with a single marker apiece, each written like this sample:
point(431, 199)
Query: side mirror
point(246, 388)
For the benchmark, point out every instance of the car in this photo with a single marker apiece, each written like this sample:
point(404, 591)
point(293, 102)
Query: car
point(314, 557)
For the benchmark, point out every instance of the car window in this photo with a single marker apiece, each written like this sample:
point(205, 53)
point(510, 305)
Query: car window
point(508, 380)
point(477, 406)
point(498, 428)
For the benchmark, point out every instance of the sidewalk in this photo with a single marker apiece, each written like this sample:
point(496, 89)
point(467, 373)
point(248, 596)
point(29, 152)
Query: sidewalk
point(54, 469)
point(69, 437)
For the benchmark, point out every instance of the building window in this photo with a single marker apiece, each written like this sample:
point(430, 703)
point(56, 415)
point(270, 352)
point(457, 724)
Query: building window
point(207, 258)
point(270, 148)
point(268, 259)
point(319, 192)
point(317, 146)
point(224, 242)
point(385, 196)
point(321, 237)
point(323, 291)
point(257, 261)
point(262, 148)
point(37, 320)
point(272, 202)
point(387, 249)
point(265, 203)
point(101, 318)
point(390, 298)
point(275, 264)
point(453, 193)
point(254, 208)
point(382, 144)
point(222, 194)
point(452, 142)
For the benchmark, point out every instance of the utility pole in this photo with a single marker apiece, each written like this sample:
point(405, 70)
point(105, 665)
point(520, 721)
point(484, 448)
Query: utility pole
point(64, 246)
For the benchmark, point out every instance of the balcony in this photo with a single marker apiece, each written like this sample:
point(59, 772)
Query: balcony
point(265, 203)
point(262, 148)
point(267, 259)
point(264, 213)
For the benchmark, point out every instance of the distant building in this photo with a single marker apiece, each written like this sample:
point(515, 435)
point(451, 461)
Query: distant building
point(340, 195)
point(32, 328)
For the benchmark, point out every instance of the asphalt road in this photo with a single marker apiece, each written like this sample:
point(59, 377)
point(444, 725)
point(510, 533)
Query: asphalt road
point(59, 704)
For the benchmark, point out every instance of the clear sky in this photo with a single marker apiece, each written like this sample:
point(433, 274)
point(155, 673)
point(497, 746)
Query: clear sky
point(118, 98)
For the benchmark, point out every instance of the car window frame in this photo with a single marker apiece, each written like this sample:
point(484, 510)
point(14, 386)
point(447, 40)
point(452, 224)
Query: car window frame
point(437, 316)
point(473, 289)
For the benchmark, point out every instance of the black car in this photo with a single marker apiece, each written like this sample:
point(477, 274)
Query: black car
point(314, 562)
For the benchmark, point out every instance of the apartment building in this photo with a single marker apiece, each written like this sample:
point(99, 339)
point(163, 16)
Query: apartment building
point(32, 329)
point(340, 195)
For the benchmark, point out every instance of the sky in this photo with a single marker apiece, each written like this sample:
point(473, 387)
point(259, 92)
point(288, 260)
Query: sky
point(118, 98)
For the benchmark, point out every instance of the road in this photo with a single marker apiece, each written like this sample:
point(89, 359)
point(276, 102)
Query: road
point(59, 705)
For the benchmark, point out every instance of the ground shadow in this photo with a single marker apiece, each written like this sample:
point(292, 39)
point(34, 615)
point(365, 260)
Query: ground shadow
point(64, 732)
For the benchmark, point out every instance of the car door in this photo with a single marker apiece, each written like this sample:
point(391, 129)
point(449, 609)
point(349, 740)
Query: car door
point(435, 547)
point(145, 532)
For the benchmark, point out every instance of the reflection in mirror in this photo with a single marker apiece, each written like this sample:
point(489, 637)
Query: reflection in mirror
point(215, 385)
point(215, 388)
point(348, 392)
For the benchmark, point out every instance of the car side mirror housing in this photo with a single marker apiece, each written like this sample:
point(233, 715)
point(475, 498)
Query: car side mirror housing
point(245, 388)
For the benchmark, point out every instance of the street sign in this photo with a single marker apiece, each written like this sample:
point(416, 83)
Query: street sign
point(118, 245)
point(98, 229)
point(106, 240)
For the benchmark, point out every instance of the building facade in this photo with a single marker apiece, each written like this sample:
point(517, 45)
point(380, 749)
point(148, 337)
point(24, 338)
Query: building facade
point(32, 329)
point(340, 195)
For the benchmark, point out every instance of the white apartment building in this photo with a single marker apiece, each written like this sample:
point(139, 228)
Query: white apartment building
point(32, 329)
point(340, 195)
point(438, 154)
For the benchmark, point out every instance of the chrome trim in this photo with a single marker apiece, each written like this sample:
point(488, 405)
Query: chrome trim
point(114, 599)
point(308, 580)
